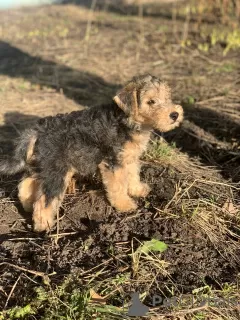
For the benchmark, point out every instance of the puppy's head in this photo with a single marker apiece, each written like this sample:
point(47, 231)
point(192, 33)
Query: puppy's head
point(147, 101)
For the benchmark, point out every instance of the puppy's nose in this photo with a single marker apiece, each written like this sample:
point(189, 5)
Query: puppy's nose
point(174, 116)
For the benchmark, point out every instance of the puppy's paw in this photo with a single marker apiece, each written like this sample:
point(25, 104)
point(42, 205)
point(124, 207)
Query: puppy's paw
point(125, 205)
point(43, 218)
point(140, 190)
point(41, 223)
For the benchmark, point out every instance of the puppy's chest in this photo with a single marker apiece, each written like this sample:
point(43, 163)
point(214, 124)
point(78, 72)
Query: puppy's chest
point(133, 149)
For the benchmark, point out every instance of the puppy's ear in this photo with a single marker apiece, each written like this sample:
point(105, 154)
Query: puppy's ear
point(127, 99)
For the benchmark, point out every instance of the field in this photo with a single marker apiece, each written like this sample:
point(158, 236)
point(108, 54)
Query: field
point(183, 242)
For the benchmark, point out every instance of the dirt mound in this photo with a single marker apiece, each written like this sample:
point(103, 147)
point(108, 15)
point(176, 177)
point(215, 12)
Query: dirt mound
point(92, 233)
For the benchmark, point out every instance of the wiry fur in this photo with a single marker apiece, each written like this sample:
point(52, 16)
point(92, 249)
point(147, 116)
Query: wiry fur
point(109, 137)
point(17, 162)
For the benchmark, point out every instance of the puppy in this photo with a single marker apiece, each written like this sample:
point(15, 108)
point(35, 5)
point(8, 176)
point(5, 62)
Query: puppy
point(110, 138)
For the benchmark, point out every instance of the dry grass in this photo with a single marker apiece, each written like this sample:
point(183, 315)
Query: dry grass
point(163, 153)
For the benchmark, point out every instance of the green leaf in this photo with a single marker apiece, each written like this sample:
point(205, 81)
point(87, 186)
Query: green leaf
point(153, 245)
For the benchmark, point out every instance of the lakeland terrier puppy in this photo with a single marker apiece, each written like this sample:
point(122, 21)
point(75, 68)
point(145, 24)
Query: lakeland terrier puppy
point(110, 138)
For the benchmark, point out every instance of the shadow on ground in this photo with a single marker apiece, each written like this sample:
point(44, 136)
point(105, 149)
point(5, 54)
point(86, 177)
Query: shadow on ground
point(199, 136)
point(210, 136)
point(83, 87)
point(14, 124)
point(126, 7)
point(159, 9)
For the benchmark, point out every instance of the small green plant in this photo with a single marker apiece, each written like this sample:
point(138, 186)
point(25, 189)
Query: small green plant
point(58, 30)
point(68, 301)
point(203, 47)
point(161, 150)
point(226, 67)
point(186, 43)
point(199, 316)
point(216, 36)
point(21, 312)
point(152, 245)
point(189, 100)
point(145, 255)
point(231, 38)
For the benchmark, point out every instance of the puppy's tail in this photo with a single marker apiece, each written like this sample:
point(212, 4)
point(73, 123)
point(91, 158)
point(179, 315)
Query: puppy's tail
point(11, 166)
point(23, 151)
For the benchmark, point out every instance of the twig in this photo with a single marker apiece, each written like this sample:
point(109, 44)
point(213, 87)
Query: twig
point(186, 25)
point(44, 277)
point(11, 292)
point(185, 311)
point(209, 60)
point(218, 183)
point(141, 31)
point(174, 21)
point(103, 263)
point(177, 192)
point(58, 235)
point(24, 239)
point(210, 99)
point(203, 57)
point(89, 22)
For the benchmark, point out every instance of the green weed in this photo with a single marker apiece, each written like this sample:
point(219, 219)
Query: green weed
point(160, 150)
point(203, 47)
point(231, 38)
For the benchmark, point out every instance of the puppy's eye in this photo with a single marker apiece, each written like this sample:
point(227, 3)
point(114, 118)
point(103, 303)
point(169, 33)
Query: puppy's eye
point(151, 101)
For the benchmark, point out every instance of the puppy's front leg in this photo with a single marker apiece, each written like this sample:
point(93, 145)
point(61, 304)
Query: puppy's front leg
point(43, 216)
point(136, 188)
point(116, 184)
point(27, 192)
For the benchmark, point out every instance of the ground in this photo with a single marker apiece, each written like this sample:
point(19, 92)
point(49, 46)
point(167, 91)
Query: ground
point(61, 58)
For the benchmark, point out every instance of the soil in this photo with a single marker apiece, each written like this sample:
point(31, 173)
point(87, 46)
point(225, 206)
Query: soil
point(48, 66)
point(92, 227)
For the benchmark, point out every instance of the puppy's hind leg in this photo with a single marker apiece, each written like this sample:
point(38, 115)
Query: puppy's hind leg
point(71, 188)
point(44, 213)
point(49, 200)
point(27, 192)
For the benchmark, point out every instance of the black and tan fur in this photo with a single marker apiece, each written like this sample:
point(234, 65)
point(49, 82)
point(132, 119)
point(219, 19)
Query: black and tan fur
point(110, 138)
